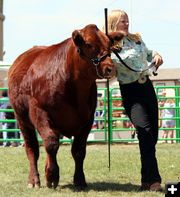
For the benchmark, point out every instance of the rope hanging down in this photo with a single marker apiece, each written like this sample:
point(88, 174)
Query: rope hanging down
point(108, 96)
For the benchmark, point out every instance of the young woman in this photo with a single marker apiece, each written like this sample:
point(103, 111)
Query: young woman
point(139, 98)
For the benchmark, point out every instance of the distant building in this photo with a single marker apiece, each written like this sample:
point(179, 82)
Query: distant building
point(167, 77)
point(4, 67)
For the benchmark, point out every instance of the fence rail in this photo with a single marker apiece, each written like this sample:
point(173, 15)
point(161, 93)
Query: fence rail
point(121, 130)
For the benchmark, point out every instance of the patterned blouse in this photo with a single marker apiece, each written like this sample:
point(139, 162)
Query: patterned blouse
point(136, 55)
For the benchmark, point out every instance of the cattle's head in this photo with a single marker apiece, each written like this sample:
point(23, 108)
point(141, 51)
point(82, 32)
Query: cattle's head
point(94, 47)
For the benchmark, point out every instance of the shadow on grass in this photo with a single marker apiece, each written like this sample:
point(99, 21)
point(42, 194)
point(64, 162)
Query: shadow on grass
point(104, 186)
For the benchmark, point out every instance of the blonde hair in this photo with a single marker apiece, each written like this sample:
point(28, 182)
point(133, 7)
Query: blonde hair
point(114, 17)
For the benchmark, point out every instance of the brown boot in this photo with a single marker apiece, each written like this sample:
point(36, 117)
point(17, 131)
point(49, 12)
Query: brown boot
point(155, 187)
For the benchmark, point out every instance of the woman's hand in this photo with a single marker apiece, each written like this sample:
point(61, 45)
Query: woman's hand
point(157, 59)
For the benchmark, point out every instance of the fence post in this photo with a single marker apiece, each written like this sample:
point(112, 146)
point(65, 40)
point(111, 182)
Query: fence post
point(177, 114)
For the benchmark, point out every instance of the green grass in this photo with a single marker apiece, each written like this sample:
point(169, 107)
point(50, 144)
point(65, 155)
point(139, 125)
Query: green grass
point(122, 180)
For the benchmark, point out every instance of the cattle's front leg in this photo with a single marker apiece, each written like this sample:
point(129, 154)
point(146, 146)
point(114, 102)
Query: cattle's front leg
point(79, 152)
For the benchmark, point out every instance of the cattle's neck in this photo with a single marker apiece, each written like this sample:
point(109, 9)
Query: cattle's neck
point(81, 98)
point(81, 69)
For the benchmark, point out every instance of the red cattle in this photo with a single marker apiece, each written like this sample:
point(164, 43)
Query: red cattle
point(53, 90)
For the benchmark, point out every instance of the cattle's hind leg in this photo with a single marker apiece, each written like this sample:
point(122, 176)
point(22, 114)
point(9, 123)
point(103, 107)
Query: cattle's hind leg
point(32, 151)
point(50, 138)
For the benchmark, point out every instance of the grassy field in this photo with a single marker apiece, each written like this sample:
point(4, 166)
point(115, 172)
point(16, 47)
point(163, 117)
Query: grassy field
point(122, 180)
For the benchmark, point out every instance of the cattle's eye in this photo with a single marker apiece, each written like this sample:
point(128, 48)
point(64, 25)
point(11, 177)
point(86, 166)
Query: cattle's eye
point(89, 46)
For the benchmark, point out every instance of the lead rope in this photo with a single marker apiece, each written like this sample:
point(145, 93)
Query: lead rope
point(152, 65)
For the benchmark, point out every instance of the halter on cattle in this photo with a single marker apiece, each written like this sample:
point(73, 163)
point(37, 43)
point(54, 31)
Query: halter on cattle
point(96, 60)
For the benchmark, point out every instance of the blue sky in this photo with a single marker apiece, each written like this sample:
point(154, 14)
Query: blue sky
point(46, 22)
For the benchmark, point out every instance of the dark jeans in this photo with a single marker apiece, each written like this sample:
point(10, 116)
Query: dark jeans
point(141, 106)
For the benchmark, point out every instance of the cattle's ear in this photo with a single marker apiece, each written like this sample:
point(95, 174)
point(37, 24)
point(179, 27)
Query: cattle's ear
point(116, 36)
point(77, 38)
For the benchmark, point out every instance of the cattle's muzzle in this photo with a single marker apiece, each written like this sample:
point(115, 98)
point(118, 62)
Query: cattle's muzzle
point(106, 70)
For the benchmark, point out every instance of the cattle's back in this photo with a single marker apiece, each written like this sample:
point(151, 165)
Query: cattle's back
point(37, 65)
point(21, 65)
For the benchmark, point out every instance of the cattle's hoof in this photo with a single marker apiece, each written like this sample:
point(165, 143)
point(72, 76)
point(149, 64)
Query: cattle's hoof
point(80, 181)
point(52, 184)
point(30, 185)
point(52, 175)
point(49, 184)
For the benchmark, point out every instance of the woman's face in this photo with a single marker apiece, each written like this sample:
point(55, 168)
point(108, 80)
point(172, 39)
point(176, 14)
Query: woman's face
point(123, 24)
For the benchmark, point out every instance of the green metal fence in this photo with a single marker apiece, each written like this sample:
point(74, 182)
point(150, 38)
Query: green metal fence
point(121, 130)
